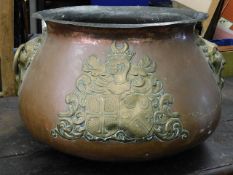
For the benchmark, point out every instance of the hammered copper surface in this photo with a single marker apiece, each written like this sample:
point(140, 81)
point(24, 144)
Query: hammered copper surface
point(180, 66)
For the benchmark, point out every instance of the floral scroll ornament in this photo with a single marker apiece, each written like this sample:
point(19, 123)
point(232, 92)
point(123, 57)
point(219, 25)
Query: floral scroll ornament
point(119, 101)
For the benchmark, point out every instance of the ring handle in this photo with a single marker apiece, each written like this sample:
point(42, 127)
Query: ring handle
point(24, 55)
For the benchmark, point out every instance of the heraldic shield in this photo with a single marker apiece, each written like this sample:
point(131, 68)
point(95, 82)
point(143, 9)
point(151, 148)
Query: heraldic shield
point(121, 101)
point(102, 114)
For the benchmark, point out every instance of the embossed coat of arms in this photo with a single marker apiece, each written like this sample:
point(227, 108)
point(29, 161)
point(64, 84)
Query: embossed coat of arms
point(121, 101)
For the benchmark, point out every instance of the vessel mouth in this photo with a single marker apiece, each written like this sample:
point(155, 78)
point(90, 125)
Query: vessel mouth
point(120, 16)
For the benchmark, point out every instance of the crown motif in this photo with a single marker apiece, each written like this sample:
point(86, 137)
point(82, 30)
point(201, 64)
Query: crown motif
point(120, 52)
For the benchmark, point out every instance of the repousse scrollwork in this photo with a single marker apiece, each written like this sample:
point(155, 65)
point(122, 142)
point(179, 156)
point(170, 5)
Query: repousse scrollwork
point(119, 101)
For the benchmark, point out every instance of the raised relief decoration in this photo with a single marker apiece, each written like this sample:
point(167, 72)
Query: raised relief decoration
point(119, 101)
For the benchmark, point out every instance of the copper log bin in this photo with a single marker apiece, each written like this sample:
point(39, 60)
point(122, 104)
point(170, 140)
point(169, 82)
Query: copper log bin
point(121, 83)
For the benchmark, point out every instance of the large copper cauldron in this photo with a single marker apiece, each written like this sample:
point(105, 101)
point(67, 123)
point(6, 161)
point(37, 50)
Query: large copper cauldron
point(120, 83)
